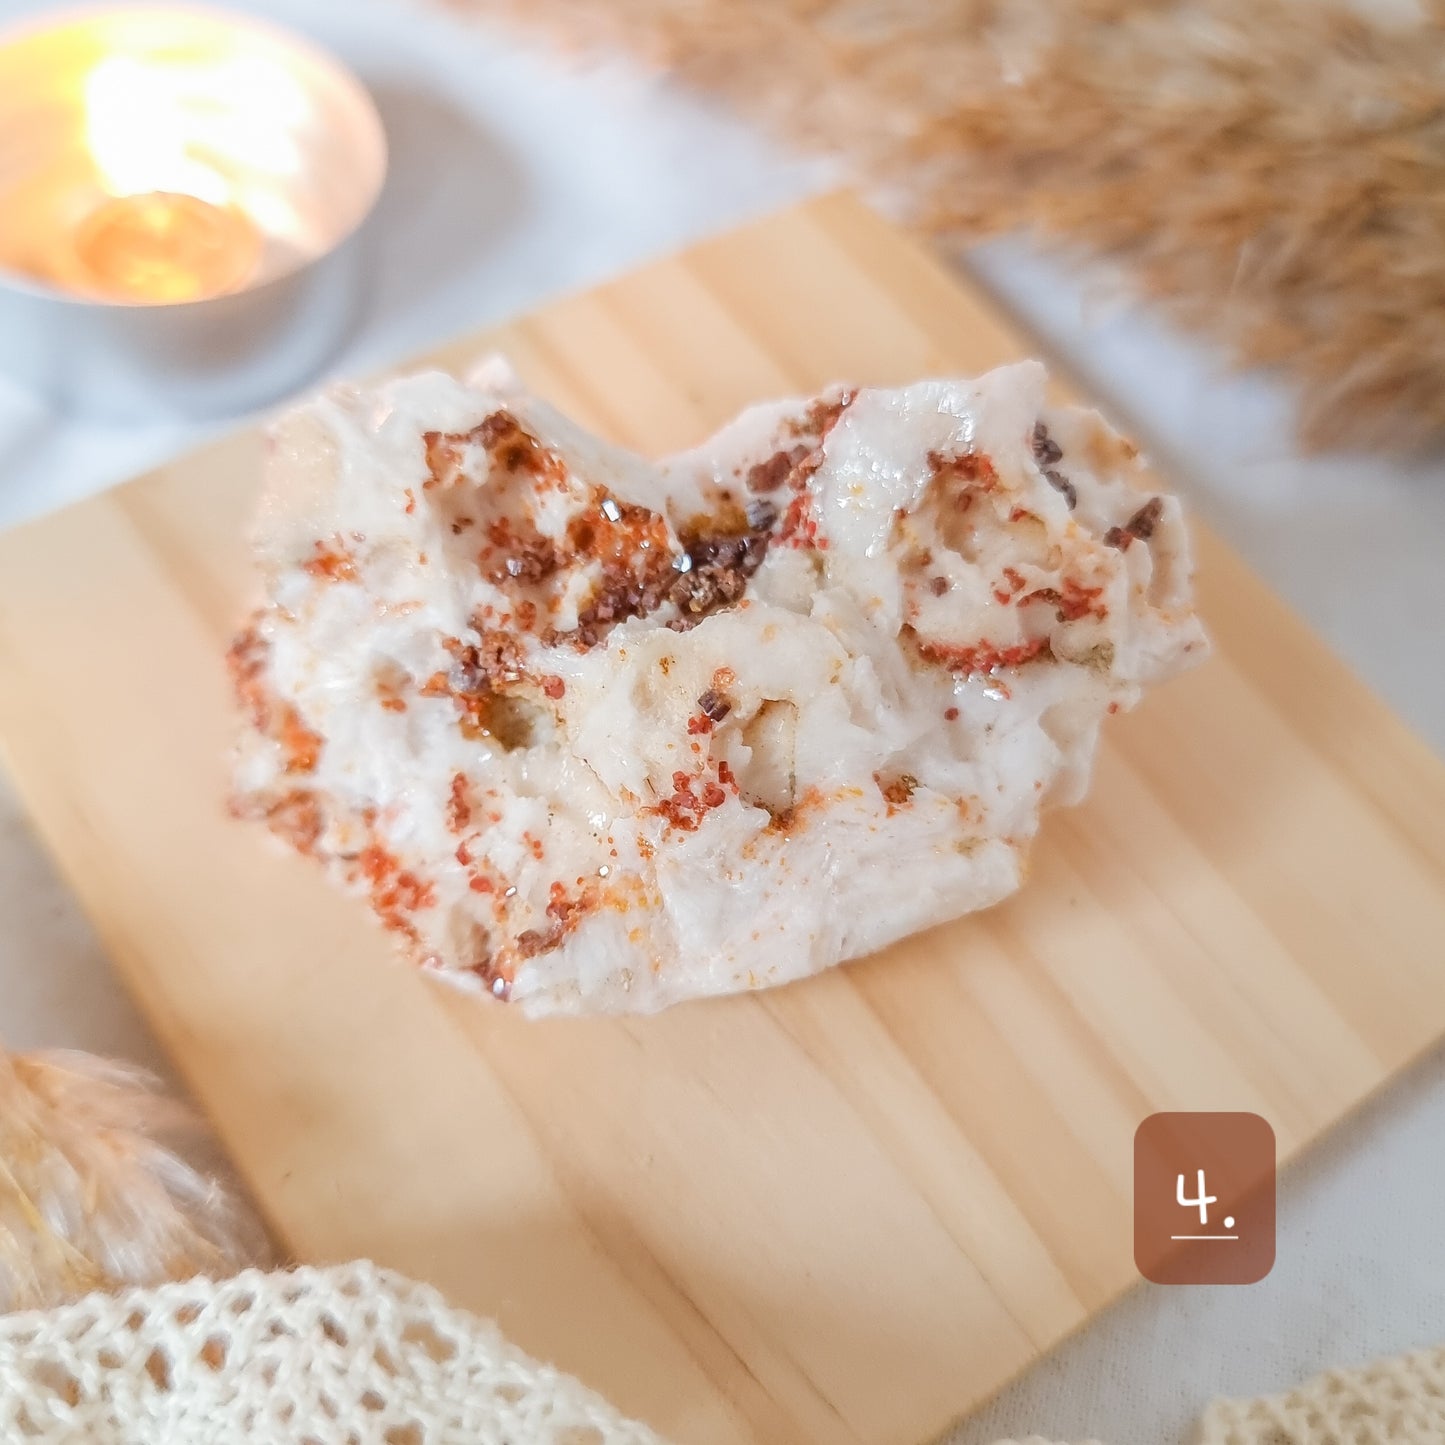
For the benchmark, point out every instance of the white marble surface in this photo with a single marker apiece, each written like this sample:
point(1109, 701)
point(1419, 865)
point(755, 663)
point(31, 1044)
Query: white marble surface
point(514, 178)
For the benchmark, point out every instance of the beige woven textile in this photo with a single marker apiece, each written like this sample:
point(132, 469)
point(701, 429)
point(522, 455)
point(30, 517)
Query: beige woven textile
point(1391, 1402)
point(355, 1355)
point(351, 1355)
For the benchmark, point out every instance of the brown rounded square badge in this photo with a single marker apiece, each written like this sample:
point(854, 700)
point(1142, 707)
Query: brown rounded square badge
point(1204, 1198)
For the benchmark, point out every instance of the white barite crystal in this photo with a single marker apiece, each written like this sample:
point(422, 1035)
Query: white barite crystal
point(600, 734)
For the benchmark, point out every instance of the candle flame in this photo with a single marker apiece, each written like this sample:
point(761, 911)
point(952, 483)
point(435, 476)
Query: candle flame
point(191, 142)
point(137, 135)
point(213, 125)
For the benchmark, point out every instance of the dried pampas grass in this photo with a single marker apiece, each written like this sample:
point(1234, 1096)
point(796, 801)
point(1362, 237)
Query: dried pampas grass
point(90, 1198)
point(1270, 171)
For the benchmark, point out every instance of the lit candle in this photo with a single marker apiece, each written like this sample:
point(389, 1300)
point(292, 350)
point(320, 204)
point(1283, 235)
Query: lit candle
point(179, 153)
point(165, 157)
point(170, 130)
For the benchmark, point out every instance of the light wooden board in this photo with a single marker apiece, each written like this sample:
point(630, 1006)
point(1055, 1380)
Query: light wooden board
point(841, 1212)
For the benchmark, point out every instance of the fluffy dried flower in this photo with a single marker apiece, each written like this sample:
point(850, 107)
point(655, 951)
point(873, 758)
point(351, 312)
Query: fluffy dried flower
point(1272, 174)
point(90, 1198)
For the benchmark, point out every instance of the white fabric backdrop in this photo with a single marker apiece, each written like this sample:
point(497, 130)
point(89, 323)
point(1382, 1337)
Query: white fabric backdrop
point(513, 178)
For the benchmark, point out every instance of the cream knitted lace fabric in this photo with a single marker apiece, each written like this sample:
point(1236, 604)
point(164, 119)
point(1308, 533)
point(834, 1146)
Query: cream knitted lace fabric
point(354, 1355)
point(1391, 1402)
point(351, 1355)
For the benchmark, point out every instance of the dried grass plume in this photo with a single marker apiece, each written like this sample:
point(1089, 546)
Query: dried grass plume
point(1272, 172)
point(90, 1198)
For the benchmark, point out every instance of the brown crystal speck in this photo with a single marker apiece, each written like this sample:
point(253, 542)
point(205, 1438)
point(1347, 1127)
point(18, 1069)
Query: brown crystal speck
point(715, 707)
point(1141, 525)
point(1061, 483)
point(769, 475)
point(1047, 451)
